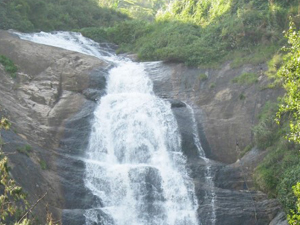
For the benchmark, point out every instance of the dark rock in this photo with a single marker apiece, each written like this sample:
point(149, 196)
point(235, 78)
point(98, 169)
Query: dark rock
point(50, 105)
point(185, 124)
point(280, 219)
point(224, 117)
point(176, 103)
point(221, 120)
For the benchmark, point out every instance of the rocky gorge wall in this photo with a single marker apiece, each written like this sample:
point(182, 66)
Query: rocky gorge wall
point(225, 120)
point(225, 111)
point(52, 86)
point(50, 105)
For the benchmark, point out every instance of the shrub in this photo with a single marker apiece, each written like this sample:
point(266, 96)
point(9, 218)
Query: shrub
point(294, 216)
point(284, 188)
point(242, 96)
point(280, 169)
point(43, 165)
point(265, 131)
point(98, 34)
point(9, 66)
point(202, 77)
point(212, 85)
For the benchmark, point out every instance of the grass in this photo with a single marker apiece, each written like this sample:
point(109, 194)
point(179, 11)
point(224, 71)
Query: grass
point(254, 55)
point(212, 85)
point(202, 77)
point(9, 66)
point(280, 169)
point(242, 96)
point(246, 78)
point(246, 150)
point(26, 150)
point(43, 165)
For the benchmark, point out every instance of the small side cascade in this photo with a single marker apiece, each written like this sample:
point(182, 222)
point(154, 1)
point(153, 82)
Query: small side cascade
point(209, 195)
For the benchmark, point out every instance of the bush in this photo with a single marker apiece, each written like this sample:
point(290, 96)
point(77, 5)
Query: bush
point(284, 188)
point(280, 169)
point(212, 85)
point(202, 77)
point(266, 131)
point(34, 15)
point(98, 34)
point(43, 165)
point(294, 216)
point(9, 66)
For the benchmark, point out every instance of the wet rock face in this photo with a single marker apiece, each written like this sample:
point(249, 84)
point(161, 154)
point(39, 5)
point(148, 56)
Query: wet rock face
point(50, 105)
point(236, 202)
point(225, 111)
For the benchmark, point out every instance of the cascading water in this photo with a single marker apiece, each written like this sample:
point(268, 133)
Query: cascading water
point(211, 194)
point(134, 163)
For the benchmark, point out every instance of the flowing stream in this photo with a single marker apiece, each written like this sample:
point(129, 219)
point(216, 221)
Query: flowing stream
point(134, 163)
point(210, 195)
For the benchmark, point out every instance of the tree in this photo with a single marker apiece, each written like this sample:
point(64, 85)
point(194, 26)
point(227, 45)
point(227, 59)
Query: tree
point(290, 75)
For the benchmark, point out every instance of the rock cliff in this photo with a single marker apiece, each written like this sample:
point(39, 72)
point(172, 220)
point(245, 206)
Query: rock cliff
point(224, 120)
point(50, 105)
point(225, 111)
point(52, 86)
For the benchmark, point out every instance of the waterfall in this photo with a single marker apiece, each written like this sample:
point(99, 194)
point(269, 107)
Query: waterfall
point(211, 194)
point(135, 167)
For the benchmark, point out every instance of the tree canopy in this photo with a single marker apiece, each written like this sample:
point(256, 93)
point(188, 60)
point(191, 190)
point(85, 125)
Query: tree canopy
point(48, 15)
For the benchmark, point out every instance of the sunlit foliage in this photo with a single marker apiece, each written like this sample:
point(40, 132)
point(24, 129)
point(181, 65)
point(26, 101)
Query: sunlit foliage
point(47, 15)
point(204, 32)
point(290, 75)
point(294, 216)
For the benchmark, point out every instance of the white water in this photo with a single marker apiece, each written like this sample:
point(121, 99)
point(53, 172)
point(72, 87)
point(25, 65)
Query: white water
point(211, 194)
point(140, 173)
point(134, 164)
point(70, 41)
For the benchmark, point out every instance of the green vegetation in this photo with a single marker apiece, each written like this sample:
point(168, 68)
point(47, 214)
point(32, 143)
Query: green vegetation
point(280, 170)
point(9, 66)
point(43, 165)
point(26, 149)
point(273, 66)
point(265, 130)
point(294, 216)
point(12, 199)
point(212, 85)
point(191, 31)
point(203, 77)
point(137, 9)
point(290, 73)
point(14, 208)
point(246, 149)
point(242, 96)
point(208, 32)
point(48, 15)
point(246, 78)
point(197, 33)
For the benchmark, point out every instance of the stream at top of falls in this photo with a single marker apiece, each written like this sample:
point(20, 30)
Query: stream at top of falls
point(134, 162)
